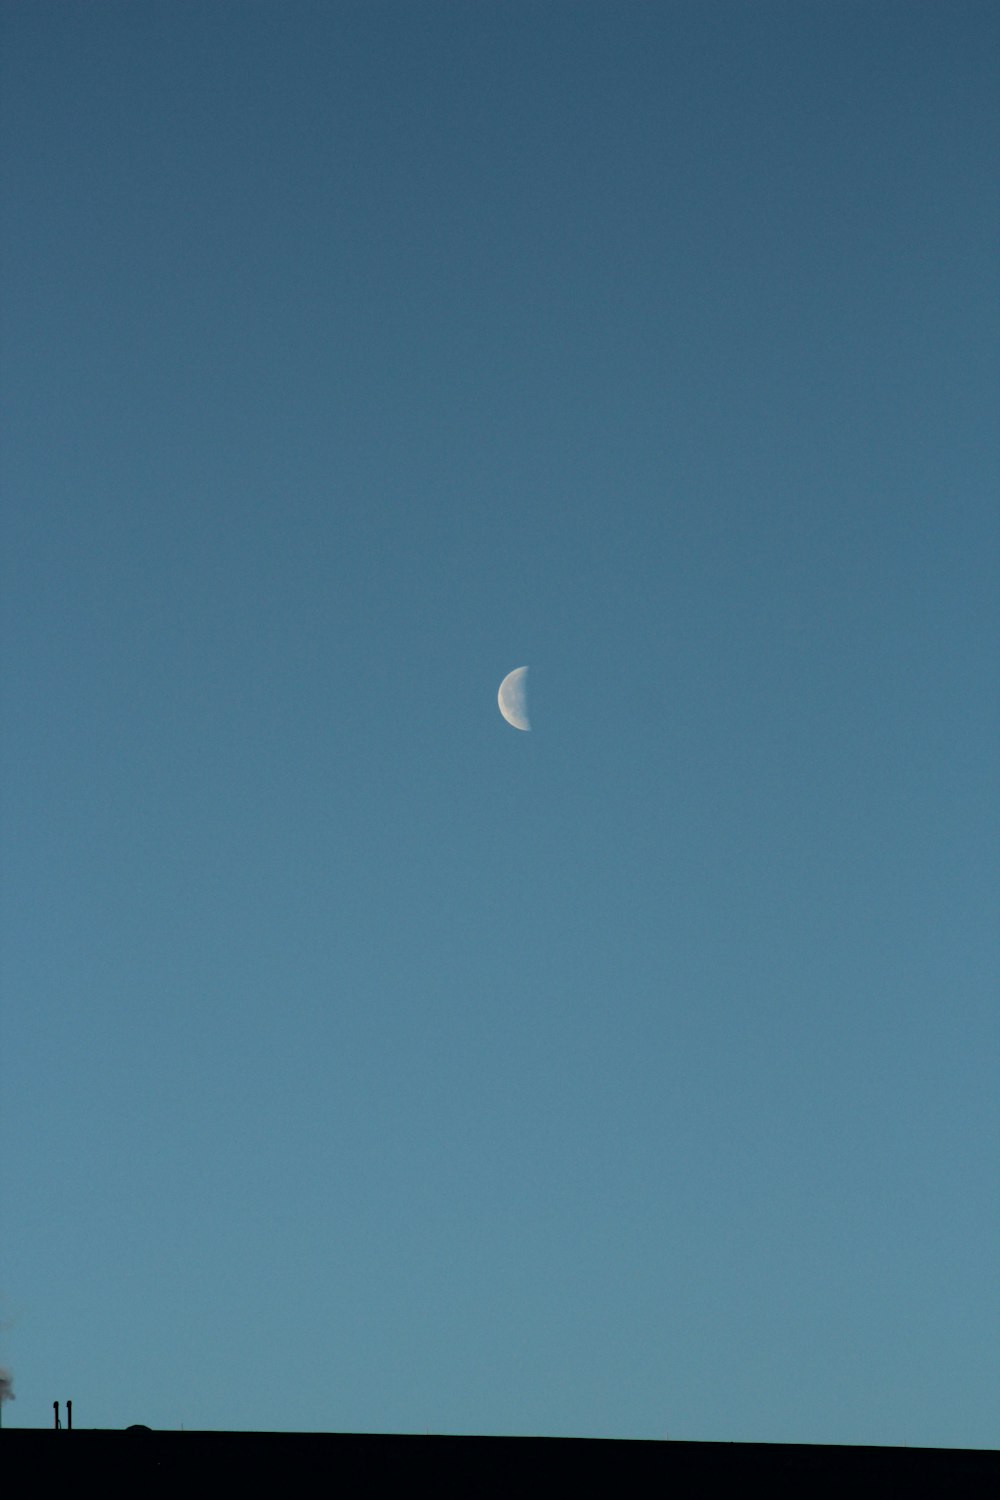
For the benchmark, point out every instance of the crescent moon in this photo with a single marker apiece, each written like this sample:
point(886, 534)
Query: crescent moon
point(513, 698)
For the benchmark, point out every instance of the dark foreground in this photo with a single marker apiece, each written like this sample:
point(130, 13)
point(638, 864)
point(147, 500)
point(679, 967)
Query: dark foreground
point(354, 1464)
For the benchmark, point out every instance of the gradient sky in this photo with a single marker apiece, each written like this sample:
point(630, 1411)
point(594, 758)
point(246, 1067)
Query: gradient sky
point(367, 1064)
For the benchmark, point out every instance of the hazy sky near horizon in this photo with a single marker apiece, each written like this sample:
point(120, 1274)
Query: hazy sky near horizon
point(367, 1064)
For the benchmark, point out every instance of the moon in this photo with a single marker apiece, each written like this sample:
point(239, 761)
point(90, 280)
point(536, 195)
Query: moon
point(513, 698)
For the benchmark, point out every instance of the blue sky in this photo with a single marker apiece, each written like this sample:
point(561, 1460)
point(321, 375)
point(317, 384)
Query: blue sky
point(368, 1064)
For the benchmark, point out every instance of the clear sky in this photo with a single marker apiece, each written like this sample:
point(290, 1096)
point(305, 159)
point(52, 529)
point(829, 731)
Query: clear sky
point(367, 1063)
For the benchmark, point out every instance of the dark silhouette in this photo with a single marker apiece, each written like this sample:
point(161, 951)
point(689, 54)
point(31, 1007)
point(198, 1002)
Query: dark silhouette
point(370, 1464)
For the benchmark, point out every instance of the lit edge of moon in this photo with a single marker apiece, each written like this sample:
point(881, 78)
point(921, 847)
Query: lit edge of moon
point(513, 698)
